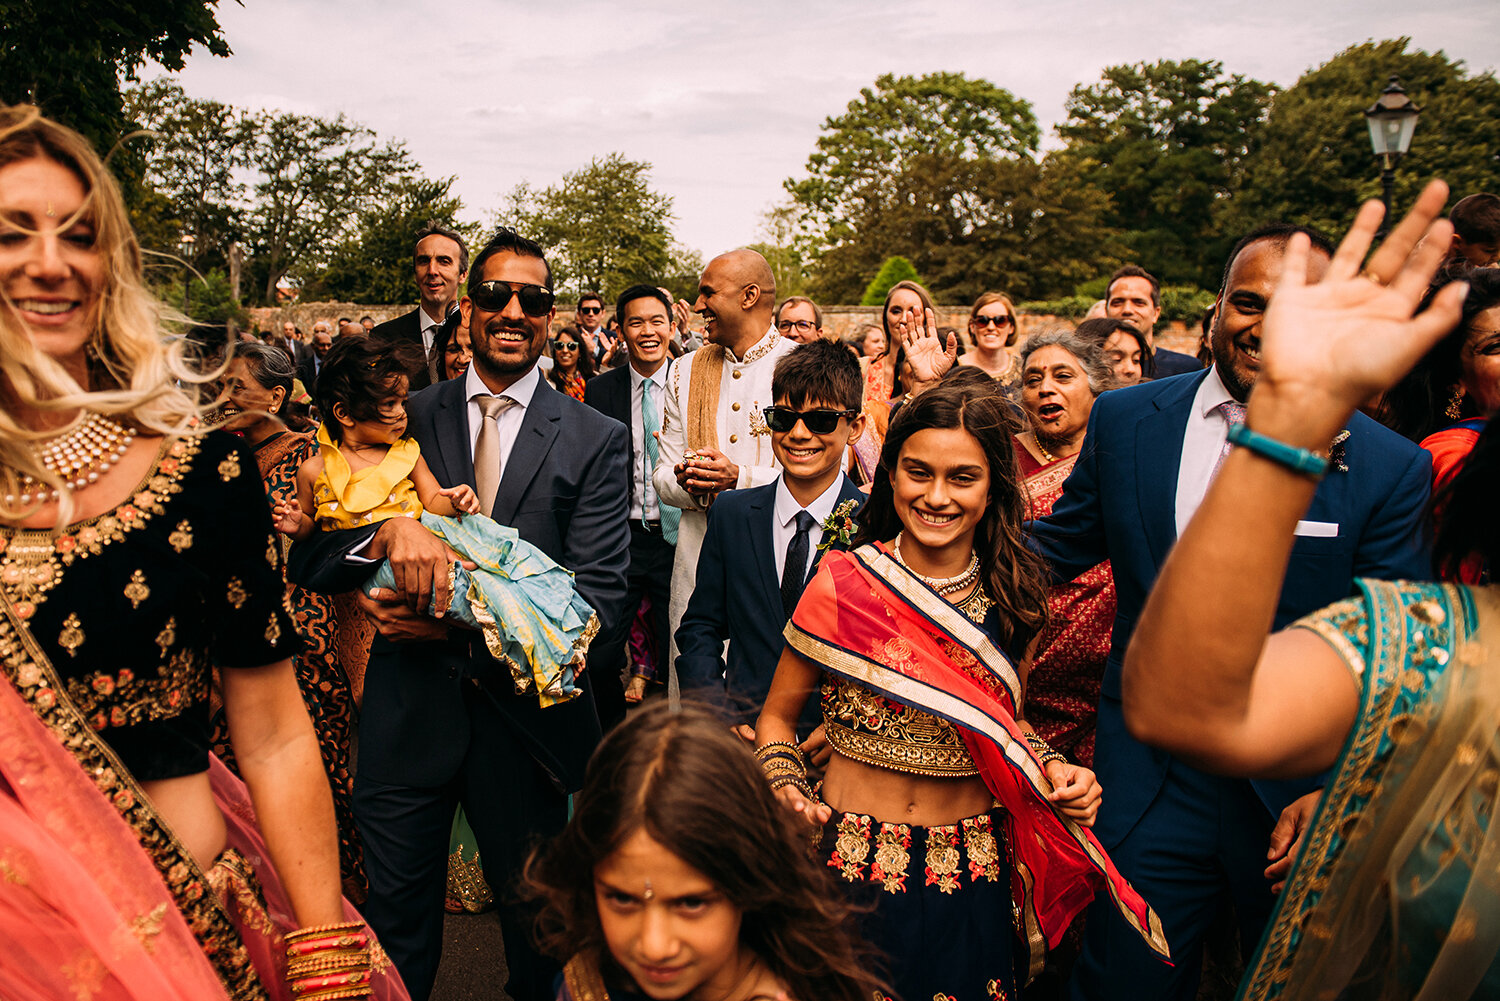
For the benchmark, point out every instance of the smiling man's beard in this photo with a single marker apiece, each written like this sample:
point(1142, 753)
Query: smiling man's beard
point(501, 366)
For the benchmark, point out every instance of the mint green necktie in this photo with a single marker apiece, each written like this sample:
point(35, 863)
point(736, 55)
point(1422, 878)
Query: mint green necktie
point(651, 424)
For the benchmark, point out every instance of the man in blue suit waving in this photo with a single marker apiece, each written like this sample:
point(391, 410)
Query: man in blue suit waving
point(1183, 837)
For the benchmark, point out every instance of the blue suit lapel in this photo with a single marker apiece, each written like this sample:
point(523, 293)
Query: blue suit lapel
point(454, 462)
point(762, 515)
point(1158, 456)
point(538, 431)
point(848, 491)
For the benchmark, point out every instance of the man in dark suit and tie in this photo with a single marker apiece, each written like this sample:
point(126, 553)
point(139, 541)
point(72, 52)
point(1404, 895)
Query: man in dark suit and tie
point(632, 395)
point(311, 362)
point(1184, 838)
point(442, 723)
point(442, 263)
point(1134, 295)
point(763, 543)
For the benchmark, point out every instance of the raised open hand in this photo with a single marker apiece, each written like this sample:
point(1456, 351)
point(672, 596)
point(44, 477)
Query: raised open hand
point(1330, 346)
point(926, 353)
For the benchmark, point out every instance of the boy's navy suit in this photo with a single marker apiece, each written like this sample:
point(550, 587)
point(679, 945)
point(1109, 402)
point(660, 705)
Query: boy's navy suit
point(738, 598)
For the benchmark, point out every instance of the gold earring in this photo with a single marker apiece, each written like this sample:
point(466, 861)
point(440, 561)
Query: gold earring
point(1454, 412)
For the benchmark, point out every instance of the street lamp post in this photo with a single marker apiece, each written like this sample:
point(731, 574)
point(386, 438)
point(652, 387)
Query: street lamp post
point(1392, 120)
point(185, 244)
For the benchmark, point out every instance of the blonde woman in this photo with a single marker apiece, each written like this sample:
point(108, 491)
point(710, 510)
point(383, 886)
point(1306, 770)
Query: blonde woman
point(135, 557)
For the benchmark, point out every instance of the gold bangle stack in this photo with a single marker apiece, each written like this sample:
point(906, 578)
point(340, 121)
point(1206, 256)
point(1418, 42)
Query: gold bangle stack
point(329, 962)
point(1043, 750)
point(784, 766)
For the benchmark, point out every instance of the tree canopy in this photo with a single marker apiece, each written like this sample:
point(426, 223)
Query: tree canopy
point(604, 228)
point(1167, 142)
point(1314, 164)
point(942, 114)
point(70, 58)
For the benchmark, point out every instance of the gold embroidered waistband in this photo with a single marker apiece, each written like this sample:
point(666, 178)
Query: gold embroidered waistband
point(869, 850)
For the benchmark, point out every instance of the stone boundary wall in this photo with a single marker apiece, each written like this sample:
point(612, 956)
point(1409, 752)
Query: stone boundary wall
point(838, 321)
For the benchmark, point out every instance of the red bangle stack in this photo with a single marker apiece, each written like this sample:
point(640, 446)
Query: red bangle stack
point(329, 962)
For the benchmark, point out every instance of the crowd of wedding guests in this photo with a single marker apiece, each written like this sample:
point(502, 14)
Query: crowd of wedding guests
point(723, 658)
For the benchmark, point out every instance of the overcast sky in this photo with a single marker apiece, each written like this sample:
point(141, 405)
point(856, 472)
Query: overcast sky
point(726, 99)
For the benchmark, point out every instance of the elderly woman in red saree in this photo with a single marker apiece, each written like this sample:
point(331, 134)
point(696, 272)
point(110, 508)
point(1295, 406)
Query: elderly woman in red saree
point(1061, 375)
point(135, 556)
point(940, 805)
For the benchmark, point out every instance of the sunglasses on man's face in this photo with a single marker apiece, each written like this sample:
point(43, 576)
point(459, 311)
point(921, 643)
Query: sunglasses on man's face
point(558, 345)
point(493, 296)
point(993, 321)
point(590, 309)
point(783, 419)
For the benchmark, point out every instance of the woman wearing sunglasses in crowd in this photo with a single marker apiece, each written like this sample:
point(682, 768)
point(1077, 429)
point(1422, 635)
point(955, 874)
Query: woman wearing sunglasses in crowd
point(963, 834)
point(572, 365)
point(993, 329)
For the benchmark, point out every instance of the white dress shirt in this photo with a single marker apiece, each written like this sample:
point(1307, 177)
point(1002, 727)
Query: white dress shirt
point(508, 424)
point(1202, 443)
point(429, 330)
point(784, 521)
point(643, 502)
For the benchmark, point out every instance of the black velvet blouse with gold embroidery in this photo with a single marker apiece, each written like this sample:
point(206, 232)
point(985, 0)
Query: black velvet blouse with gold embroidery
point(136, 607)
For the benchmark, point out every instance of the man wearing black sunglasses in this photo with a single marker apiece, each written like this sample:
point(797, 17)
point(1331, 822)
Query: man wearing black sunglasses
point(442, 723)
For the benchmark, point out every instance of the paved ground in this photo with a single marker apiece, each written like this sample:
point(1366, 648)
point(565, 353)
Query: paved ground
point(473, 967)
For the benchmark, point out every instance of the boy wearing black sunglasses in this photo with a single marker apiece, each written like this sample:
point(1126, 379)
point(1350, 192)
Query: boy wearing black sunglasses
point(764, 543)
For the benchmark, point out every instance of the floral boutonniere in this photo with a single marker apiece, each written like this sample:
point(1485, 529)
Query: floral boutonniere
point(839, 526)
point(1336, 452)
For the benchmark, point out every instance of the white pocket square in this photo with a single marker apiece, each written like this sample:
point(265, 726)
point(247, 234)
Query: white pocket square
point(1318, 529)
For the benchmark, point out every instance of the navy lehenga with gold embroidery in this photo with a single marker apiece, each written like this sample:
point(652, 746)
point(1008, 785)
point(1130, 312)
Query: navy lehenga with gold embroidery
point(964, 910)
point(110, 630)
point(1396, 889)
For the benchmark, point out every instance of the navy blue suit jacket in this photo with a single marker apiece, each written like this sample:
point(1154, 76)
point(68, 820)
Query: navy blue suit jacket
point(1120, 504)
point(738, 597)
point(565, 490)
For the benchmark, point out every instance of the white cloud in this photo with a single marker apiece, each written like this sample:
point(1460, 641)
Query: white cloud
point(726, 100)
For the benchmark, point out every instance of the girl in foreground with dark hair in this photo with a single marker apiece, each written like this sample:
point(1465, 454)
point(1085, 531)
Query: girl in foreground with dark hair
point(680, 877)
point(942, 808)
point(366, 470)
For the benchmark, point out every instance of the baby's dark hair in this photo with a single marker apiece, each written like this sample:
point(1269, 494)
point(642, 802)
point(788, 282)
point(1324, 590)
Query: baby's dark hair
point(359, 373)
point(1477, 218)
point(820, 370)
point(680, 776)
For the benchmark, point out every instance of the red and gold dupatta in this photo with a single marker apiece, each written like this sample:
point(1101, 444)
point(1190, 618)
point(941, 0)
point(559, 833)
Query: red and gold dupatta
point(866, 618)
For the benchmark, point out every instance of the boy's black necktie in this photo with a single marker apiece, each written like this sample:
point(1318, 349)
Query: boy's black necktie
point(794, 574)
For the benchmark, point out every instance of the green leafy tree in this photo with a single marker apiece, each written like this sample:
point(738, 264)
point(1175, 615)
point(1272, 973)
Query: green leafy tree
point(1030, 229)
point(1167, 141)
point(784, 249)
point(1314, 165)
point(209, 298)
point(375, 265)
point(945, 114)
point(603, 227)
point(895, 269)
point(70, 57)
point(193, 157)
point(317, 178)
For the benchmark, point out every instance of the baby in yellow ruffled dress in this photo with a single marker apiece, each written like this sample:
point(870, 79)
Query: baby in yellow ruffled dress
point(366, 471)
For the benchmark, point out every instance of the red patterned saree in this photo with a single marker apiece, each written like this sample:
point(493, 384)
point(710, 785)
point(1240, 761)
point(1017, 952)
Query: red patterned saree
point(1062, 691)
point(866, 618)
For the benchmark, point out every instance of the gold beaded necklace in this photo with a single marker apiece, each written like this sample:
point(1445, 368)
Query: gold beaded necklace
point(78, 458)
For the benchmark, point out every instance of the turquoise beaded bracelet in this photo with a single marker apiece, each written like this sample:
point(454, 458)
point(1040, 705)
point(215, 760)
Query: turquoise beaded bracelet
point(1299, 460)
